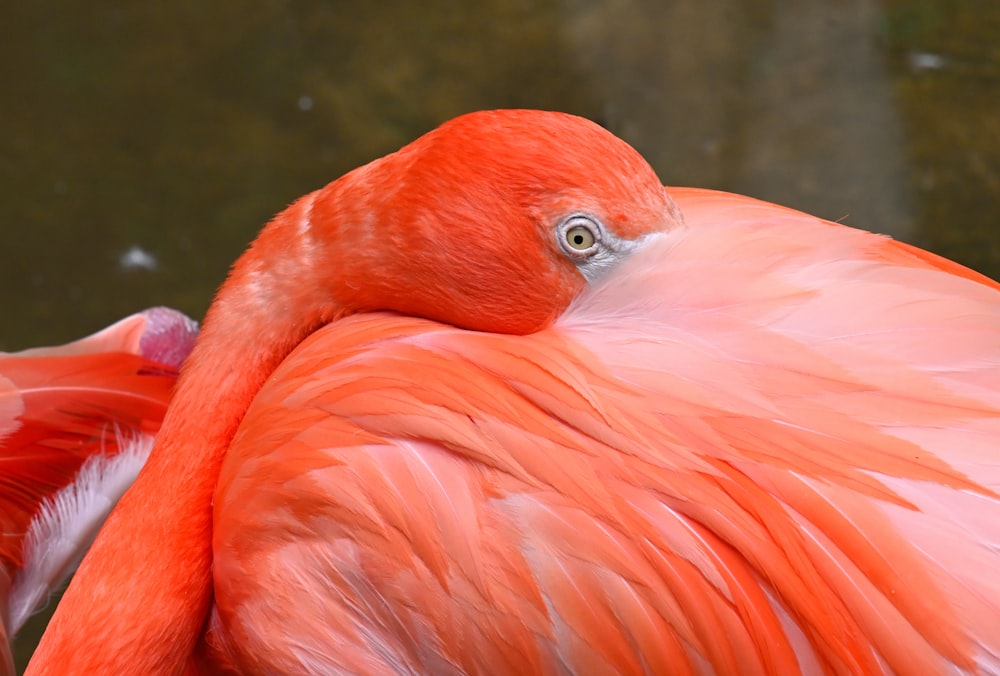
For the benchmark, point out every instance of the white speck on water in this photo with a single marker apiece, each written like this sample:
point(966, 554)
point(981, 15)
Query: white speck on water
point(137, 258)
point(305, 102)
point(925, 61)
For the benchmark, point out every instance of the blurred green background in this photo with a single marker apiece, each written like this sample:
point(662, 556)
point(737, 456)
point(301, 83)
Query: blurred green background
point(145, 143)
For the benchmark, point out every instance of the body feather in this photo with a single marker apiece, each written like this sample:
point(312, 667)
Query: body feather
point(785, 460)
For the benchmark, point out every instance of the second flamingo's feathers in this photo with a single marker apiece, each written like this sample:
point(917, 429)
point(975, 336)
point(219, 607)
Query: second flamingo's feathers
point(61, 405)
point(76, 423)
point(716, 459)
point(68, 520)
point(70, 408)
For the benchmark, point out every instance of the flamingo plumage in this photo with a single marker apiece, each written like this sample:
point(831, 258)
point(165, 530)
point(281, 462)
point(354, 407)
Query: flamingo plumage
point(76, 422)
point(432, 427)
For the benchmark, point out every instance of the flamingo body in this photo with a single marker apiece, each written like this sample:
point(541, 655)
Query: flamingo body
point(757, 442)
point(63, 408)
point(691, 452)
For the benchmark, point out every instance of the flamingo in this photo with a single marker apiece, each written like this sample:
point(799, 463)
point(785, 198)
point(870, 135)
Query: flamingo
point(76, 423)
point(501, 403)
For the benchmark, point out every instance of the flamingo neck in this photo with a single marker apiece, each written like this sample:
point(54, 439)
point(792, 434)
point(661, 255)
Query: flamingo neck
point(139, 600)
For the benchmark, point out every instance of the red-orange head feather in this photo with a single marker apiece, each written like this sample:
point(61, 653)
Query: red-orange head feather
point(462, 226)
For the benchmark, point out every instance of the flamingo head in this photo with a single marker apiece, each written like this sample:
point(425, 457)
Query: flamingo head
point(494, 221)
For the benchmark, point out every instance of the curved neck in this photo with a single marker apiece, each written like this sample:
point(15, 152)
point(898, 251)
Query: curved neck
point(141, 596)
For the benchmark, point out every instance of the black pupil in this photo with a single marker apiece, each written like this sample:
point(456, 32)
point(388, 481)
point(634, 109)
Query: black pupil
point(578, 239)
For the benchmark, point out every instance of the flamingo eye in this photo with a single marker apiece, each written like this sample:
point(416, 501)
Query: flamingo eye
point(580, 236)
point(591, 247)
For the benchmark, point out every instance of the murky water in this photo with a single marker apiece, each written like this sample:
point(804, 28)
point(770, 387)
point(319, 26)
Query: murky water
point(145, 143)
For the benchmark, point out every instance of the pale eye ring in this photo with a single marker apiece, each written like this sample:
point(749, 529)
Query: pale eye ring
point(580, 236)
